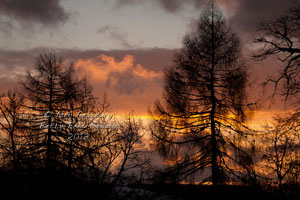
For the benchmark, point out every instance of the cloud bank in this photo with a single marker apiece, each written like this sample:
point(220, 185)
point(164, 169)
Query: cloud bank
point(124, 76)
point(132, 79)
point(29, 13)
point(243, 14)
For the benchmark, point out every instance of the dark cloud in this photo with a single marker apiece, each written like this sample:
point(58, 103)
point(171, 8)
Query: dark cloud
point(11, 60)
point(116, 35)
point(244, 14)
point(176, 5)
point(168, 5)
point(251, 12)
point(27, 12)
point(155, 59)
point(129, 84)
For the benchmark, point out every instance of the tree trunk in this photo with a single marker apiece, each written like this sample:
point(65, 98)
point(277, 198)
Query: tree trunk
point(49, 133)
point(13, 147)
point(214, 167)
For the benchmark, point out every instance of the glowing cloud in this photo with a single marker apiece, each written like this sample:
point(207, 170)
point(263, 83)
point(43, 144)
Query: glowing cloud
point(103, 68)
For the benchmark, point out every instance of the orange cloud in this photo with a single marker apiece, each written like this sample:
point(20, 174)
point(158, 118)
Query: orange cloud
point(103, 67)
point(128, 85)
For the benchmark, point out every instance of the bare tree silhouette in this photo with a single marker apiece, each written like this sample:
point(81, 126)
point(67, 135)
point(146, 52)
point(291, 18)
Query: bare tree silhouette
point(131, 133)
point(280, 40)
point(205, 98)
point(281, 142)
point(48, 89)
point(10, 122)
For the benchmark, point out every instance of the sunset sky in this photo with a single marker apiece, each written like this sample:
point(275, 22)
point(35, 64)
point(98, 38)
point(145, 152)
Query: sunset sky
point(121, 45)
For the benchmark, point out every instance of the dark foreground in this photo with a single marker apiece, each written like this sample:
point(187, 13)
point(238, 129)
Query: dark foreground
point(62, 186)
